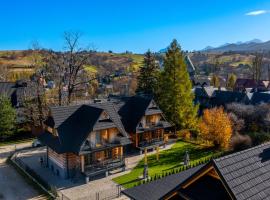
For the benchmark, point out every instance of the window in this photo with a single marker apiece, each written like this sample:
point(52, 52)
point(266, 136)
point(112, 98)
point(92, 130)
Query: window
point(98, 138)
point(104, 116)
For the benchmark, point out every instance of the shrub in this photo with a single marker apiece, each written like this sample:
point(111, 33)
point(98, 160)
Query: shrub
point(216, 127)
point(258, 138)
point(240, 142)
point(185, 134)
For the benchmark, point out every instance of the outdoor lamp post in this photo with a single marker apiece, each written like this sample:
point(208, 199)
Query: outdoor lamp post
point(145, 169)
point(186, 159)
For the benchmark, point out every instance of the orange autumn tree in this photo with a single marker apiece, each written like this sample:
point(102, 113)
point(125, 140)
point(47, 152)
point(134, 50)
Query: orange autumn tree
point(216, 127)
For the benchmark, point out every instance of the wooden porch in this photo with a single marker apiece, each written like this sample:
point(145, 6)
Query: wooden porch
point(101, 162)
point(149, 138)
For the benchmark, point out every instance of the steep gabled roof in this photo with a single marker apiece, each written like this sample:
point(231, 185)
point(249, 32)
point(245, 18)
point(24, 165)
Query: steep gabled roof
point(133, 110)
point(225, 97)
point(260, 97)
point(247, 173)
point(74, 123)
point(7, 88)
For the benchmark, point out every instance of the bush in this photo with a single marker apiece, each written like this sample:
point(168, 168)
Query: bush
point(259, 138)
point(216, 127)
point(240, 142)
point(185, 134)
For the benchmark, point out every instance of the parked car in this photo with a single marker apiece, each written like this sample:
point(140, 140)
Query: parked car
point(36, 143)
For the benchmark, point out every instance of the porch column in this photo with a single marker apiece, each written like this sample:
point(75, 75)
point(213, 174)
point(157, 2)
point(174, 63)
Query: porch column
point(121, 152)
point(82, 163)
point(136, 139)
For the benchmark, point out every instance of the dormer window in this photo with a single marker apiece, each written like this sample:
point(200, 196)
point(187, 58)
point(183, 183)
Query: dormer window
point(104, 116)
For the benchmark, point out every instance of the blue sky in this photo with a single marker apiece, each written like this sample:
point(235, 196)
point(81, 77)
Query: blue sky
point(136, 25)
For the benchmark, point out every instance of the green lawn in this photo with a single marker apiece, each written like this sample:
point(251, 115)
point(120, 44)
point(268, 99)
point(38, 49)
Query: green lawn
point(169, 159)
point(16, 141)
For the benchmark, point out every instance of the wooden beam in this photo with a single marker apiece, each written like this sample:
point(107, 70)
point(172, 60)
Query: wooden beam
point(195, 178)
point(214, 174)
point(82, 163)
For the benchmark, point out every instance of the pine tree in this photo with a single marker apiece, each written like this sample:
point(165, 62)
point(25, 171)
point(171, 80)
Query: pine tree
point(7, 117)
point(175, 95)
point(148, 77)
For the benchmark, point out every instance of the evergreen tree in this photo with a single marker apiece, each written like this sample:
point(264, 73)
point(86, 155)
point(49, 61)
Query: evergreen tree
point(215, 81)
point(148, 77)
point(7, 117)
point(231, 81)
point(175, 94)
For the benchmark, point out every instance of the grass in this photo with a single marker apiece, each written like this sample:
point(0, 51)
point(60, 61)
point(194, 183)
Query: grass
point(169, 159)
point(16, 141)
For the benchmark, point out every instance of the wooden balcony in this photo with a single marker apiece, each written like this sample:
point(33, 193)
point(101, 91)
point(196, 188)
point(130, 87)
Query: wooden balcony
point(103, 167)
point(151, 143)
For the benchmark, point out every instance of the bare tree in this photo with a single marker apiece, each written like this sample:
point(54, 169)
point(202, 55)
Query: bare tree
point(35, 101)
point(74, 59)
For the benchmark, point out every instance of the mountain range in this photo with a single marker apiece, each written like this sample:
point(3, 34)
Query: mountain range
point(255, 45)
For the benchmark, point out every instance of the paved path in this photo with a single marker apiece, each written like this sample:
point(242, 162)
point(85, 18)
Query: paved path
point(12, 184)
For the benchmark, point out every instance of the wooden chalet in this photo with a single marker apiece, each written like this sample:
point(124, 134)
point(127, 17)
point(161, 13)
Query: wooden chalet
point(242, 175)
point(15, 91)
point(143, 120)
point(84, 140)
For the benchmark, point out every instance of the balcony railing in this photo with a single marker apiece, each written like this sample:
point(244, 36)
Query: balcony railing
point(149, 126)
point(100, 167)
point(152, 142)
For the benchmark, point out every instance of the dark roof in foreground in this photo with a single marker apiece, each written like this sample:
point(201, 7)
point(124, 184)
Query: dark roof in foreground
point(157, 189)
point(247, 173)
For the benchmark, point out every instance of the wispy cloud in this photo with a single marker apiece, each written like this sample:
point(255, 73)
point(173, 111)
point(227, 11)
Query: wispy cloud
point(257, 12)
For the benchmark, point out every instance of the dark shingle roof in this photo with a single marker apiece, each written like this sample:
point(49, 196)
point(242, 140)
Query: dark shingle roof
point(75, 129)
point(7, 88)
point(158, 189)
point(221, 98)
point(133, 110)
point(74, 123)
point(260, 97)
point(247, 173)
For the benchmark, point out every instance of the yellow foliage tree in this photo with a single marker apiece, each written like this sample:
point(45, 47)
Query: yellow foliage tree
point(216, 127)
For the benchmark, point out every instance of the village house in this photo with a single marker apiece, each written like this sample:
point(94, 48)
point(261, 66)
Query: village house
point(241, 175)
point(15, 91)
point(143, 120)
point(84, 139)
point(247, 85)
point(209, 97)
point(92, 139)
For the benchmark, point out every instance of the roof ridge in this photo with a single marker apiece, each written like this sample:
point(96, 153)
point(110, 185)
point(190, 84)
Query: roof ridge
point(240, 152)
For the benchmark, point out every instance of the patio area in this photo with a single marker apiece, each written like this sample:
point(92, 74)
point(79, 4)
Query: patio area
point(76, 188)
